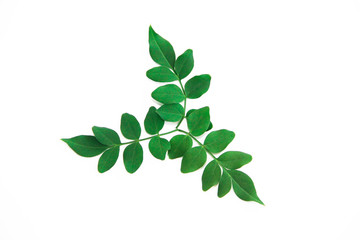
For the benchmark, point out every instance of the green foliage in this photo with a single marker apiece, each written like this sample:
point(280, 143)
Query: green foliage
point(219, 171)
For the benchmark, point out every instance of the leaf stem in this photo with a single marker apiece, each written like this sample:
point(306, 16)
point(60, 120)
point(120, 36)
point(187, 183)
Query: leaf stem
point(144, 139)
point(183, 90)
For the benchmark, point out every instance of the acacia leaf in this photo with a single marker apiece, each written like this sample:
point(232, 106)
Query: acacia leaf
point(171, 112)
point(133, 157)
point(179, 144)
point(168, 94)
point(161, 50)
point(153, 122)
point(234, 159)
point(211, 175)
point(161, 74)
point(184, 64)
point(158, 147)
point(130, 127)
point(198, 121)
point(108, 159)
point(85, 146)
point(193, 159)
point(218, 140)
point(197, 86)
point(106, 136)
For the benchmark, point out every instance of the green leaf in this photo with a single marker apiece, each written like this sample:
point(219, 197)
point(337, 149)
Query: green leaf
point(133, 157)
point(184, 64)
point(191, 111)
point(211, 175)
point(224, 184)
point(161, 50)
point(108, 159)
point(85, 146)
point(106, 136)
point(161, 74)
point(198, 121)
point(179, 145)
point(197, 86)
point(168, 94)
point(218, 140)
point(130, 127)
point(153, 122)
point(234, 159)
point(158, 147)
point(210, 126)
point(171, 112)
point(244, 187)
point(193, 159)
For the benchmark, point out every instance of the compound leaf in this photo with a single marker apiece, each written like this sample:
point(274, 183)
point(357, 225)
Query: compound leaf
point(108, 159)
point(106, 136)
point(130, 127)
point(193, 159)
point(198, 121)
point(168, 94)
point(234, 159)
point(171, 112)
point(218, 140)
point(153, 122)
point(224, 184)
point(158, 147)
point(211, 175)
point(161, 74)
point(161, 50)
point(85, 146)
point(244, 187)
point(197, 86)
point(133, 157)
point(184, 64)
point(179, 144)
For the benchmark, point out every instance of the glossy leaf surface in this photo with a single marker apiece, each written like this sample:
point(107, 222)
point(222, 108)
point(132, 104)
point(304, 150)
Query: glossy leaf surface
point(198, 121)
point(108, 159)
point(161, 74)
point(211, 175)
point(197, 86)
point(130, 127)
point(224, 184)
point(234, 159)
point(133, 157)
point(161, 50)
point(218, 140)
point(168, 94)
point(85, 146)
point(179, 144)
point(153, 122)
point(193, 159)
point(184, 64)
point(158, 147)
point(171, 112)
point(106, 136)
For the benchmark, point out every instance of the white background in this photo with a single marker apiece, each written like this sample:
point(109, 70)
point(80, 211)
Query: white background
point(285, 78)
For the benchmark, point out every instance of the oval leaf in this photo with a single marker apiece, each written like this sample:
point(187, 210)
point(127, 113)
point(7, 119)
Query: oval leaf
point(234, 159)
point(171, 112)
point(168, 94)
point(224, 184)
point(211, 175)
point(244, 187)
point(193, 159)
point(161, 74)
point(197, 86)
point(153, 122)
point(106, 136)
point(158, 147)
point(198, 121)
point(108, 159)
point(184, 64)
point(133, 157)
point(130, 127)
point(161, 50)
point(218, 140)
point(179, 144)
point(85, 146)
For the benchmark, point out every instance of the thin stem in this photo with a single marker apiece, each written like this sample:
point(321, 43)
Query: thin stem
point(144, 139)
point(183, 90)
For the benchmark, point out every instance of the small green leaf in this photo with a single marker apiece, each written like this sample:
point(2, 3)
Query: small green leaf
point(197, 86)
point(161, 50)
point(179, 145)
point(85, 146)
point(130, 127)
point(184, 64)
point(211, 175)
point(234, 159)
point(218, 140)
point(210, 126)
point(168, 94)
point(198, 121)
point(224, 184)
point(108, 159)
point(171, 112)
point(158, 147)
point(193, 159)
point(191, 111)
point(106, 136)
point(133, 157)
point(244, 187)
point(153, 122)
point(161, 74)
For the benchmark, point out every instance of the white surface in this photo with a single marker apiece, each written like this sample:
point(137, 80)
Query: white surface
point(285, 78)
